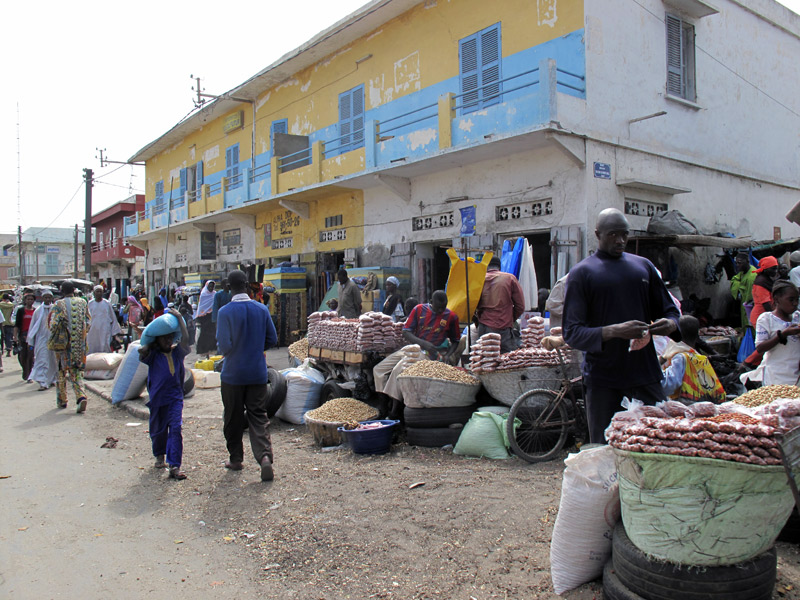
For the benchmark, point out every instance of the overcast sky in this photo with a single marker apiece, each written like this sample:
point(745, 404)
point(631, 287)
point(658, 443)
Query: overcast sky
point(115, 75)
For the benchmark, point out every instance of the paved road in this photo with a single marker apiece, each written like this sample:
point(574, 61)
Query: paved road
point(80, 521)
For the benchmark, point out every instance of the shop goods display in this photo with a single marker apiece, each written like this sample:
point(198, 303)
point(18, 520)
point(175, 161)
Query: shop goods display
point(434, 384)
point(587, 514)
point(718, 330)
point(484, 436)
point(324, 422)
point(131, 376)
point(533, 334)
point(630, 574)
point(369, 437)
point(766, 394)
point(371, 331)
point(304, 386)
point(299, 349)
point(703, 429)
point(485, 356)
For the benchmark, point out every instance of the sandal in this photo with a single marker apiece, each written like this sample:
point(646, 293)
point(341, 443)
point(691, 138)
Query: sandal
point(160, 462)
point(60, 404)
point(81, 408)
point(176, 473)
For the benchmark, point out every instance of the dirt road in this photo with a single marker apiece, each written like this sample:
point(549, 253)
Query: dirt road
point(333, 525)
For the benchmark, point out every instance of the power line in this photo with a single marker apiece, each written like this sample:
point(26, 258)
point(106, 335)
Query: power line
point(62, 210)
point(124, 187)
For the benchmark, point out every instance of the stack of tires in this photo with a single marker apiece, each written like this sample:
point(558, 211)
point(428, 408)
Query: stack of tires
point(435, 427)
point(630, 575)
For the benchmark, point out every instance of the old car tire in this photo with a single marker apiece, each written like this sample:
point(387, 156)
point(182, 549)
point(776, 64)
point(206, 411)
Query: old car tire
point(432, 437)
point(331, 390)
point(427, 418)
point(276, 391)
point(791, 531)
point(188, 384)
point(657, 580)
point(613, 588)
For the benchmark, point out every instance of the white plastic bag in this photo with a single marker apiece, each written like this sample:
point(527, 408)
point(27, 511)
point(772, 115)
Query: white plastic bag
point(587, 514)
point(303, 390)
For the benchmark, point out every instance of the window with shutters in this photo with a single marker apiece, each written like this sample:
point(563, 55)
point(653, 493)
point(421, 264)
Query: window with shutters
point(232, 167)
point(181, 199)
point(680, 59)
point(479, 69)
point(279, 126)
point(351, 120)
point(159, 205)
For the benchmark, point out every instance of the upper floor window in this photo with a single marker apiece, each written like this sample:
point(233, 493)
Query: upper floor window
point(232, 166)
point(479, 69)
point(680, 59)
point(278, 126)
point(159, 206)
point(351, 119)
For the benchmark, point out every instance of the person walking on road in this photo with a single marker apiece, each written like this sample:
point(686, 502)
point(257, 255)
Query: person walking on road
point(104, 323)
point(45, 368)
point(69, 325)
point(165, 376)
point(244, 331)
point(206, 341)
point(7, 338)
point(612, 298)
point(500, 305)
point(22, 325)
point(349, 296)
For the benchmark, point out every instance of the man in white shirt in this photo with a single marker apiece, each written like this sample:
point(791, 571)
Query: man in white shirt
point(104, 323)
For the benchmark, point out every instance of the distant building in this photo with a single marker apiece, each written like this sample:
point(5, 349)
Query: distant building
point(48, 254)
point(116, 262)
point(8, 259)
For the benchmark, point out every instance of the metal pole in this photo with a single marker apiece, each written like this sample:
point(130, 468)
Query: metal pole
point(75, 267)
point(165, 283)
point(19, 251)
point(88, 225)
point(36, 254)
point(466, 282)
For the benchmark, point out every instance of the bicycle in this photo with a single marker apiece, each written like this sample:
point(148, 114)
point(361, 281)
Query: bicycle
point(539, 420)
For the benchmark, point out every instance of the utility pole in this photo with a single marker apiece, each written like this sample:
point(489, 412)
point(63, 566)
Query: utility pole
point(87, 249)
point(19, 251)
point(36, 254)
point(75, 269)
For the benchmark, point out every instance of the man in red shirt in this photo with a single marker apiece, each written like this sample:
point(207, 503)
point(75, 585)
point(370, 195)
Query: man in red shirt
point(433, 327)
point(21, 326)
point(501, 304)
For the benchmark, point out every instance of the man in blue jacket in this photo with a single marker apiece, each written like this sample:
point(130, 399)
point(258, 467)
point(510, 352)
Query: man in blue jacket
point(612, 298)
point(244, 331)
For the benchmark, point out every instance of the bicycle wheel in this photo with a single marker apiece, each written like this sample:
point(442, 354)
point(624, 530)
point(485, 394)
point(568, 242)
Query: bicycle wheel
point(542, 428)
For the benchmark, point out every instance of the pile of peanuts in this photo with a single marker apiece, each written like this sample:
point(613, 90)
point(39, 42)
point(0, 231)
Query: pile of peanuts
point(766, 394)
point(299, 349)
point(342, 410)
point(439, 370)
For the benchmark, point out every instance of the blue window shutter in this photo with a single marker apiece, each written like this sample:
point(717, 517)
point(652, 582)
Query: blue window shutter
point(280, 126)
point(345, 120)
point(232, 164)
point(468, 61)
point(357, 105)
point(182, 197)
point(490, 65)
point(199, 176)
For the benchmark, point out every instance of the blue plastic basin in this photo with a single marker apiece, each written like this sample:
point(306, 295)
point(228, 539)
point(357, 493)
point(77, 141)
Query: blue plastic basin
point(370, 441)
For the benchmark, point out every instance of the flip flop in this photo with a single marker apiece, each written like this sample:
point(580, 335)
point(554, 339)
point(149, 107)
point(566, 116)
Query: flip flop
point(176, 473)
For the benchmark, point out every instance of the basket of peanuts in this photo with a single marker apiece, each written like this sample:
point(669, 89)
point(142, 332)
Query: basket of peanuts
point(702, 484)
point(433, 384)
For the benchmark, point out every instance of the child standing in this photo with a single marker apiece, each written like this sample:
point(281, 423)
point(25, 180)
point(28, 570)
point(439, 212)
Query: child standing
point(165, 387)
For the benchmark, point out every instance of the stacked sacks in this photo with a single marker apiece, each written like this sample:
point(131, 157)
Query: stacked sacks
point(532, 334)
point(485, 353)
point(371, 331)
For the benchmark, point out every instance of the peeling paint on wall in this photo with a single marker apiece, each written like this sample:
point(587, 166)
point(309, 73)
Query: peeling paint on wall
point(211, 154)
point(374, 88)
point(546, 11)
point(465, 124)
point(263, 100)
point(420, 138)
point(406, 73)
point(305, 86)
point(377, 33)
point(288, 83)
point(192, 152)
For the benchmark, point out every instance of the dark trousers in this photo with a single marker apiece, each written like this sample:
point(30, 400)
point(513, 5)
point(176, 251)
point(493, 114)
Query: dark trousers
point(25, 356)
point(602, 403)
point(165, 432)
point(7, 338)
point(235, 399)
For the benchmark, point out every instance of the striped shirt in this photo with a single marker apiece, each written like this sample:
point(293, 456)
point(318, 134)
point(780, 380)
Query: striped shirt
point(424, 323)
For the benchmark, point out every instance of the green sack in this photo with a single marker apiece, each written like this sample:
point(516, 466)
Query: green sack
point(484, 435)
point(701, 511)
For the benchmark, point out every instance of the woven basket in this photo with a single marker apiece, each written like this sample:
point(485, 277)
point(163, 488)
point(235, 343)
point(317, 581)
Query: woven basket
point(427, 392)
point(507, 386)
point(326, 433)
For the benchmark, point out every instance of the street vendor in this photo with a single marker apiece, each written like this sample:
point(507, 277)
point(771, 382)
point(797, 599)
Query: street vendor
point(777, 337)
point(767, 275)
point(688, 375)
point(393, 305)
point(613, 298)
point(433, 327)
point(501, 303)
point(742, 285)
point(349, 296)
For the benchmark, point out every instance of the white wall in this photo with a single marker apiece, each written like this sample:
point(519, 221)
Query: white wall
point(737, 127)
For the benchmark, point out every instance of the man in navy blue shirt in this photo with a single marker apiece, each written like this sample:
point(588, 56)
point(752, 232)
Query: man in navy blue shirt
point(244, 331)
point(614, 297)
